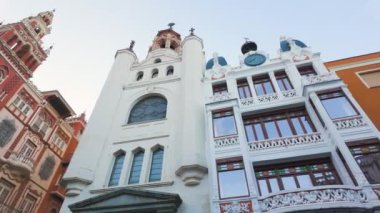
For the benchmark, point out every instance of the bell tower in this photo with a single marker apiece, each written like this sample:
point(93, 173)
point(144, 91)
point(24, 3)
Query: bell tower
point(24, 40)
point(168, 39)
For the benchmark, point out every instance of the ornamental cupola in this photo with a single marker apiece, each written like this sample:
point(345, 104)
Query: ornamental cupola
point(39, 25)
point(167, 39)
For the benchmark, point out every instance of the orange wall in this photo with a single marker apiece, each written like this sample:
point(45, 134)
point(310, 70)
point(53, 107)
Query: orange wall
point(368, 98)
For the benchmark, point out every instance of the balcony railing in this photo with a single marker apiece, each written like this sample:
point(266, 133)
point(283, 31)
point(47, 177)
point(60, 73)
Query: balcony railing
point(314, 79)
point(25, 163)
point(220, 97)
point(226, 141)
point(351, 122)
point(286, 142)
point(267, 98)
point(314, 198)
point(8, 209)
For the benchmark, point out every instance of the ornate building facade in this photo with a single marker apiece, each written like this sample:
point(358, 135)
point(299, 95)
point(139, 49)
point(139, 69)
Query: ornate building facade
point(172, 133)
point(38, 130)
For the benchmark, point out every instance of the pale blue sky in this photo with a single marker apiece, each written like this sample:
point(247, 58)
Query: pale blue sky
point(87, 33)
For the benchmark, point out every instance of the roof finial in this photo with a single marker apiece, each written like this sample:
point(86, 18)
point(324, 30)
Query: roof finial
point(131, 45)
point(246, 39)
point(171, 24)
point(192, 30)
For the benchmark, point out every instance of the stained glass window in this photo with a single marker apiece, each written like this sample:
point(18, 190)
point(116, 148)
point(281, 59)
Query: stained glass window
point(136, 167)
point(148, 109)
point(291, 176)
point(156, 166)
point(7, 130)
point(116, 170)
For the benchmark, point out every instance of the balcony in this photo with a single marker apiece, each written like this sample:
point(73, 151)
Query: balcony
point(226, 141)
point(333, 196)
point(24, 165)
point(267, 98)
point(220, 97)
point(315, 79)
point(295, 140)
point(7, 209)
point(350, 122)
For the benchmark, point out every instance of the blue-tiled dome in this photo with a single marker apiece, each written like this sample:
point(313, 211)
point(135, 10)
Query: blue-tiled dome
point(286, 47)
point(221, 60)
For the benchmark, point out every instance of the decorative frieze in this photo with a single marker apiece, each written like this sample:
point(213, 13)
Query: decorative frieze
point(226, 141)
point(267, 98)
point(247, 101)
point(316, 196)
point(220, 97)
point(285, 142)
point(289, 93)
point(314, 79)
point(244, 206)
point(352, 122)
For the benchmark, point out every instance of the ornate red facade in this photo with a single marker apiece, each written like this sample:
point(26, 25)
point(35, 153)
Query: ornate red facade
point(38, 130)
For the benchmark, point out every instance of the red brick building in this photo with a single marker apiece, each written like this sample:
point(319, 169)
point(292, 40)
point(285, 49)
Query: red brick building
point(38, 130)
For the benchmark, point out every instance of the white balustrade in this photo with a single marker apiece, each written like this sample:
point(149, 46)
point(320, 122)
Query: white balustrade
point(318, 195)
point(289, 93)
point(21, 160)
point(247, 101)
point(267, 98)
point(220, 97)
point(285, 142)
point(314, 79)
point(226, 141)
point(347, 123)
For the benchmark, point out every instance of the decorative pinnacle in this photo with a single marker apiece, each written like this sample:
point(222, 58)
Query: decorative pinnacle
point(171, 24)
point(192, 31)
point(131, 45)
point(246, 39)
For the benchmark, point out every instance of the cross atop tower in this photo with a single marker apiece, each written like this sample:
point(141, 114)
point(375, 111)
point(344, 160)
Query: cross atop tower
point(246, 39)
point(171, 24)
point(192, 31)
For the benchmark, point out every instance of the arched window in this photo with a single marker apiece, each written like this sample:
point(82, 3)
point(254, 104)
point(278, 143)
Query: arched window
point(139, 76)
point(170, 70)
point(173, 45)
point(154, 73)
point(138, 158)
point(3, 73)
point(25, 49)
point(148, 109)
point(156, 165)
point(116, 169)
point(157, 60)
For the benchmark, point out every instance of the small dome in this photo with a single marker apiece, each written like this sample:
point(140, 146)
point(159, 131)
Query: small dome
point(221, 60)
point(285, 46)
point(248, 46)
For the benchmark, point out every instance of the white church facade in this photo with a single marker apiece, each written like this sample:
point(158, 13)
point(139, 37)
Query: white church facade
point(173, 133)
